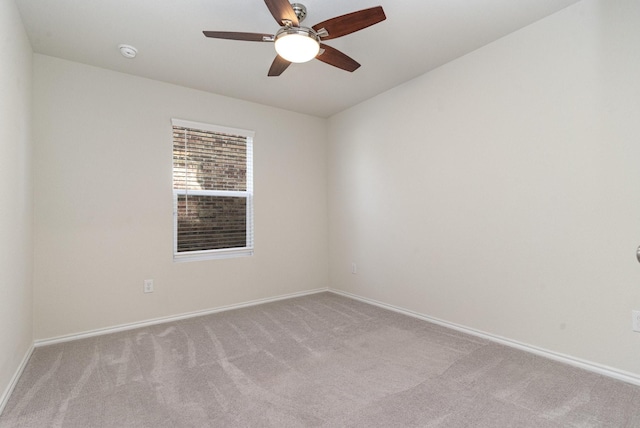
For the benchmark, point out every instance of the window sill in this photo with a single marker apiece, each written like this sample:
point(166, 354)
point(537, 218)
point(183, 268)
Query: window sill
point(194, 256)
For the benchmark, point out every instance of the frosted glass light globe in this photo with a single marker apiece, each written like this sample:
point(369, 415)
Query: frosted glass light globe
point(297, 44)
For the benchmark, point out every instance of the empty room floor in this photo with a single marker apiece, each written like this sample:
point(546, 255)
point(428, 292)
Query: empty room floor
point(321, 360)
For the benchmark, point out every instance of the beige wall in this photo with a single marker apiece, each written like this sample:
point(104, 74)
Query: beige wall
point(501, 191)
point(494, 192)
point(16, 206)
point(103, 192)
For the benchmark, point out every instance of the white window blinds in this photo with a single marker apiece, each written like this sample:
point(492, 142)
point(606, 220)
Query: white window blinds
point(212, 191)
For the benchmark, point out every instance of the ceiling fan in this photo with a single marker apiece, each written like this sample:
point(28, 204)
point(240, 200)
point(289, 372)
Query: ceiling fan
point(295, 43)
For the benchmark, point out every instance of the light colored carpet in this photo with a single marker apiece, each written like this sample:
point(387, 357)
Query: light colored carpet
point(321, 360)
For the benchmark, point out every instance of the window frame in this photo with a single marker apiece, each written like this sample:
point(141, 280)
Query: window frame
point(224, 253)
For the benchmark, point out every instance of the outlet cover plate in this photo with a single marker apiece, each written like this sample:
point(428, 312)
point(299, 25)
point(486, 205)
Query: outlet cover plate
point(635, 321)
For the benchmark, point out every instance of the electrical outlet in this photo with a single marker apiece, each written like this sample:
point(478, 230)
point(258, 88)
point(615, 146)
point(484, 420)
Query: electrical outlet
point(148, 285)
point(635, 320)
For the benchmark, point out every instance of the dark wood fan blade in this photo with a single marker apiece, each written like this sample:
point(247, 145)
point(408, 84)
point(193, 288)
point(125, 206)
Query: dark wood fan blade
point(232, 35)
point(351, 22)
point(282, 11)
point(278, 66)
point(336, 58)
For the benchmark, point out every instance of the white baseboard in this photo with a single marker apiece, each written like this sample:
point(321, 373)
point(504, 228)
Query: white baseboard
point(154, 321)
point(4, 398)
point(567, 359)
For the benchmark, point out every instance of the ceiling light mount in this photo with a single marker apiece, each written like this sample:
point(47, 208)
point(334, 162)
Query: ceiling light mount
point(128, 51)
point(300, 11)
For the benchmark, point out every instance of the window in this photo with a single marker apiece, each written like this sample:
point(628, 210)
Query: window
point(212, 191)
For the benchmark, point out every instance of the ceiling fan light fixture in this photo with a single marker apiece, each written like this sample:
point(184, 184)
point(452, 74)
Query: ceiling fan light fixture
point(297, 44)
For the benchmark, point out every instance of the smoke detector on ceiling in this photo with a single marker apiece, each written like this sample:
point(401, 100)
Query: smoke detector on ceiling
point(128, 51)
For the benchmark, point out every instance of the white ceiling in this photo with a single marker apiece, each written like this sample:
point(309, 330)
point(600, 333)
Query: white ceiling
point(417, 36)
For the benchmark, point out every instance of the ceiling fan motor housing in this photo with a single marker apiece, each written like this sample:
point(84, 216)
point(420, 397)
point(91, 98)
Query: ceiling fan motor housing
point(300, 10)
